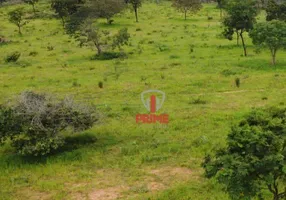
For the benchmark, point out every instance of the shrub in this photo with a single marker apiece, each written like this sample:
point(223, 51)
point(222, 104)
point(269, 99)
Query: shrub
point(237, 82)
point(35, 123)
point(100, 84)
point(13, 57)
point(33, 53)
point(109, 56)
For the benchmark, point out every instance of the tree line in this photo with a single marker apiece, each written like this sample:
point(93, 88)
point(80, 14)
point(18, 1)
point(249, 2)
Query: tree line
point(238, 18)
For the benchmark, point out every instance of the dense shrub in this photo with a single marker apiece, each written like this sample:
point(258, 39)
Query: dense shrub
point(13, 57)
point(35, 123)
point(109, 56)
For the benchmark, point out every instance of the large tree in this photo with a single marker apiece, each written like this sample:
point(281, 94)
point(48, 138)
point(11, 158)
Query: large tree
point(271, 35)
point(65, 8)
point(17, 17)
point(276, 11)
point(221, 5)
point(186, 6)
point(135, 5)
point(106, 8)
point(254, 159)
point(32, 2)
point(240, 19)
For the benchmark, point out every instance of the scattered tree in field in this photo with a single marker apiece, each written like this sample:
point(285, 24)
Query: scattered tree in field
point(255, 157)
point(92, 34)
point(135, 5)
point(221, 5)
point(105, 9)
point(240, 18)
point(34, 124)
point(121, 38)
point(275, 11)
point(186, 6)
point(32, 2)
point(65, 8)
point(270, 34)
point(17, 17)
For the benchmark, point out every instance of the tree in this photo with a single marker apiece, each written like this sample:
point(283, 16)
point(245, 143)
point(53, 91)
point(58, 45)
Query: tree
point(254, 159)
point(221, 5)
point(35, 123)
point(65, 8)
point(275, 11)
point(17, 17)
point(135, 5)
point(270, 34)
point(32, 2)
point(105, 8)
point(186, 6)
point(240, 18)
point(121, 38)
point(94, 35)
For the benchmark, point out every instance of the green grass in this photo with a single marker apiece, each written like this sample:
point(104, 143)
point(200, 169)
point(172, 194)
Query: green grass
point(202, 101)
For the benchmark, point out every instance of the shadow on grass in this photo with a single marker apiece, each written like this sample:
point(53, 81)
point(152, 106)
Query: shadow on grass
point(262, 64)
point(77, 148)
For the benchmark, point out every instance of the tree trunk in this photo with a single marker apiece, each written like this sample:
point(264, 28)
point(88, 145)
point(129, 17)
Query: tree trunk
point(136, 13)
point(243, 43)
point(237, 38)
point(19, 30)
point(273, 52)
point(98, 47)
point(34, 10)
point(63, 21)
point(185, 14)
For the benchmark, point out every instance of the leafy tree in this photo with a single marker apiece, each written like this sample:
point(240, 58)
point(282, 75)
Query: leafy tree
point(34, 124)
point(32, 2)
point(254, 159)
point(17, 17)
point(221, 5)
point(105, 8)
point(240, 18)
point(275, 11)
point(270, 34)
point(135, 5)
point(186, 6)
point(94, 35)
point(65, 8)
point(121, 38)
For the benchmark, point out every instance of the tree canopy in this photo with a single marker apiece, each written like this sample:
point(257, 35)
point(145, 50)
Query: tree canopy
point(271, 35)
point(240, 18)
point(186, 6)
point(254, 158)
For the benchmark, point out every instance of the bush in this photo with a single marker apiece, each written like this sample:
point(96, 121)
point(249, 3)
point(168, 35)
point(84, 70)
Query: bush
point(109, 56)
point(13, 57)
point(35, 123)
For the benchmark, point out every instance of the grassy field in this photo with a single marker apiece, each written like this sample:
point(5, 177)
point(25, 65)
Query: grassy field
point(187, 59)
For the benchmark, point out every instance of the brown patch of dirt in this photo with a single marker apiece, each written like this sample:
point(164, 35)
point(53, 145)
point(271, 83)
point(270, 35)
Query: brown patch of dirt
point(110, 193)
point(169, 175)
point(30, 194)
point(78, 196)
point(156, 186)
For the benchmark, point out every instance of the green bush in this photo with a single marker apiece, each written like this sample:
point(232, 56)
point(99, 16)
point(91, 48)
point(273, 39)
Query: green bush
point(109, 56)
point(35, 123)
point(13, 57)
